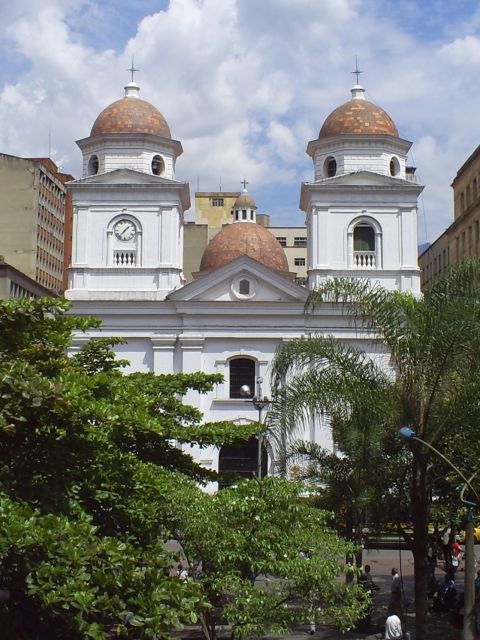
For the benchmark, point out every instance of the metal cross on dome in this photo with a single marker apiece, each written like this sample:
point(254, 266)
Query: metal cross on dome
point(357, 71)
point(244, 182)
point(132, 69)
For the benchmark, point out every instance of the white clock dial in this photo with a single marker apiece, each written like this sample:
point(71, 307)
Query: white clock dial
point(124, 230)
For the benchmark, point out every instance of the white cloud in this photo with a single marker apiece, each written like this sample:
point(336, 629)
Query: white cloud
point(243, 84)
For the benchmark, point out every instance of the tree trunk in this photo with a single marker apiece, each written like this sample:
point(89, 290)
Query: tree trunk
point(420, 539)
point(349, 535)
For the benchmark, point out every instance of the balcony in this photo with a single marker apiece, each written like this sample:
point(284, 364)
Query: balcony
point(124, 258)
point(364, 259)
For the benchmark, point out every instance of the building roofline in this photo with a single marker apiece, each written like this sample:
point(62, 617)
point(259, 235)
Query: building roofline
point(473, 156)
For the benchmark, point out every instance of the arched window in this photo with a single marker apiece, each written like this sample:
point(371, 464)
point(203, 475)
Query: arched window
point(330, 167)
point(244, 287)
point(93, 165)
point(240, 461)
point(364, 237)
point(394, 166)
point(242, 372)
point(158, 165)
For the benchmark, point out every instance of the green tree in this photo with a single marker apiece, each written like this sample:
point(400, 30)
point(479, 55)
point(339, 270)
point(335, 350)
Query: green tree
point(87, 454)
point(325, 376)
point(92, 485)
point(263, 529)
point(432, 346)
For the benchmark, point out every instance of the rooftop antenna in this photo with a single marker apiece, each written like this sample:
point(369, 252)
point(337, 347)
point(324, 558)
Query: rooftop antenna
point(357, 71)
point(132, 69)
point(220, 184)
point(49, 143)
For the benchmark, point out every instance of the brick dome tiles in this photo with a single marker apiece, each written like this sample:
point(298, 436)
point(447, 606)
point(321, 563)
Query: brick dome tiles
point(358, 117)
point(244, 239)
point(131, 115)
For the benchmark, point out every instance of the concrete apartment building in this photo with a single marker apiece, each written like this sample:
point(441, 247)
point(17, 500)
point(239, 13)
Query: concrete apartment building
point(462, 238)
point(36, 219)
point(213, 210)
point(15, 284)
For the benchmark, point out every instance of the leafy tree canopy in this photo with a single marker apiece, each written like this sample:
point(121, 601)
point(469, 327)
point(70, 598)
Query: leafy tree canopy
point(92, 485)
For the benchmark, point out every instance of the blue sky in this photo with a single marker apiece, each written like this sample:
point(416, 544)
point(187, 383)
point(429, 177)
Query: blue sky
point(245, 84)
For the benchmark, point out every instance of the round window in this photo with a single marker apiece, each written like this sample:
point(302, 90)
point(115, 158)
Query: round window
point(330, 167)
point(243, 287)
point(93, 166)
point(158, 165)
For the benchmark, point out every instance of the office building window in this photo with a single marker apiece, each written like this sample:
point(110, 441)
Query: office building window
point(299, 262)
point(217, 202)
point(300, 241)
point(282, 240)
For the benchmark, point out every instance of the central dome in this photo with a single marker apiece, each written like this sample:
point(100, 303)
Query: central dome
point(244, 239)
point(358, 116)
point(130, 114)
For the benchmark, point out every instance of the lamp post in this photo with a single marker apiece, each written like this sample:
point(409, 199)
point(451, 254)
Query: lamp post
point(260, 404)
point(468, 632)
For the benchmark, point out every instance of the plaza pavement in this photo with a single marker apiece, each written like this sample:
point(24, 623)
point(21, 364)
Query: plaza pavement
point(439, 626)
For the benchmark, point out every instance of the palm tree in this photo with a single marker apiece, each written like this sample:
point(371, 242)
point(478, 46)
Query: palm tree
point(325, 375)
point(433, 345)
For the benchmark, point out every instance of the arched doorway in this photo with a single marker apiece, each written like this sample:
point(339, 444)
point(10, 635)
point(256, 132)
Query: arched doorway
point(240, 461)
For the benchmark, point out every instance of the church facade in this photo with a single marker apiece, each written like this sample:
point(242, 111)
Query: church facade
point(127, 255)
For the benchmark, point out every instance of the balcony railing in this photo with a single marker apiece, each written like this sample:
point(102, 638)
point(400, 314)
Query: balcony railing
point(124, 258)
point(364, 259)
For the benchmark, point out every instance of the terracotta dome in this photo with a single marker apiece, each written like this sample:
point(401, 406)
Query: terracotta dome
point(244, 200)
point(131, 115)
point(358, 116)
point(244, 239)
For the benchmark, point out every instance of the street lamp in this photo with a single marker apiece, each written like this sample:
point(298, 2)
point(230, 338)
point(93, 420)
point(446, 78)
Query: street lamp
point(260, 404)
point(469, 586)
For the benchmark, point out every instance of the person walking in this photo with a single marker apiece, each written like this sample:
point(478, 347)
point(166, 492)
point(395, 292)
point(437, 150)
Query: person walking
point(393, 627)
point(395, 593)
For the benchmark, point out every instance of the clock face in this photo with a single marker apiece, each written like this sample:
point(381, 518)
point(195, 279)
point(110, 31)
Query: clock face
point(124, 230)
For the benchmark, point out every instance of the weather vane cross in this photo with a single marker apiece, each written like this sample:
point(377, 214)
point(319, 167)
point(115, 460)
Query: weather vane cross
point(357, 71)
point(244, 182)
point(132, 69)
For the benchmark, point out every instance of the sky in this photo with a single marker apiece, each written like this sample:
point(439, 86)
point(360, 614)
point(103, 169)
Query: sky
point(245, 84)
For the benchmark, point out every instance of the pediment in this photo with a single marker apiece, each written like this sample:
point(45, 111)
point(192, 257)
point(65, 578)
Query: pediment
point(125, 176)
point(224, 285)
point(366, 178)
point(363, 179)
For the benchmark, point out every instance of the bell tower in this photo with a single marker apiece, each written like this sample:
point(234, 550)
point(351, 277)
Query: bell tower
point(361, 207)
point(128, 207)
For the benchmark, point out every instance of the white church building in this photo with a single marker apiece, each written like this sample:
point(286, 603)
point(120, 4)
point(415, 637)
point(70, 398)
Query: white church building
point(128, 216)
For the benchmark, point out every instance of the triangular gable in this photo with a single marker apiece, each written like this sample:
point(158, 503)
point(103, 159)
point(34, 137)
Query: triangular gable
point(125, 176)
point(222, 285)
point(363, 178)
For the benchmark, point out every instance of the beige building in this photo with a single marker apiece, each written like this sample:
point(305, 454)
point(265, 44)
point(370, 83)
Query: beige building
point(213, 210)
point(33, 214)
point(15, 284)
point(294, 243)
point(462, 238)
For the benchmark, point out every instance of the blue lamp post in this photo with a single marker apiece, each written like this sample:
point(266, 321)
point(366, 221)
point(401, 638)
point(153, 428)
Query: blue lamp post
point(468, 632)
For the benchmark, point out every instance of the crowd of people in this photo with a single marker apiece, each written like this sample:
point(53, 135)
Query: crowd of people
point(444, 594)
